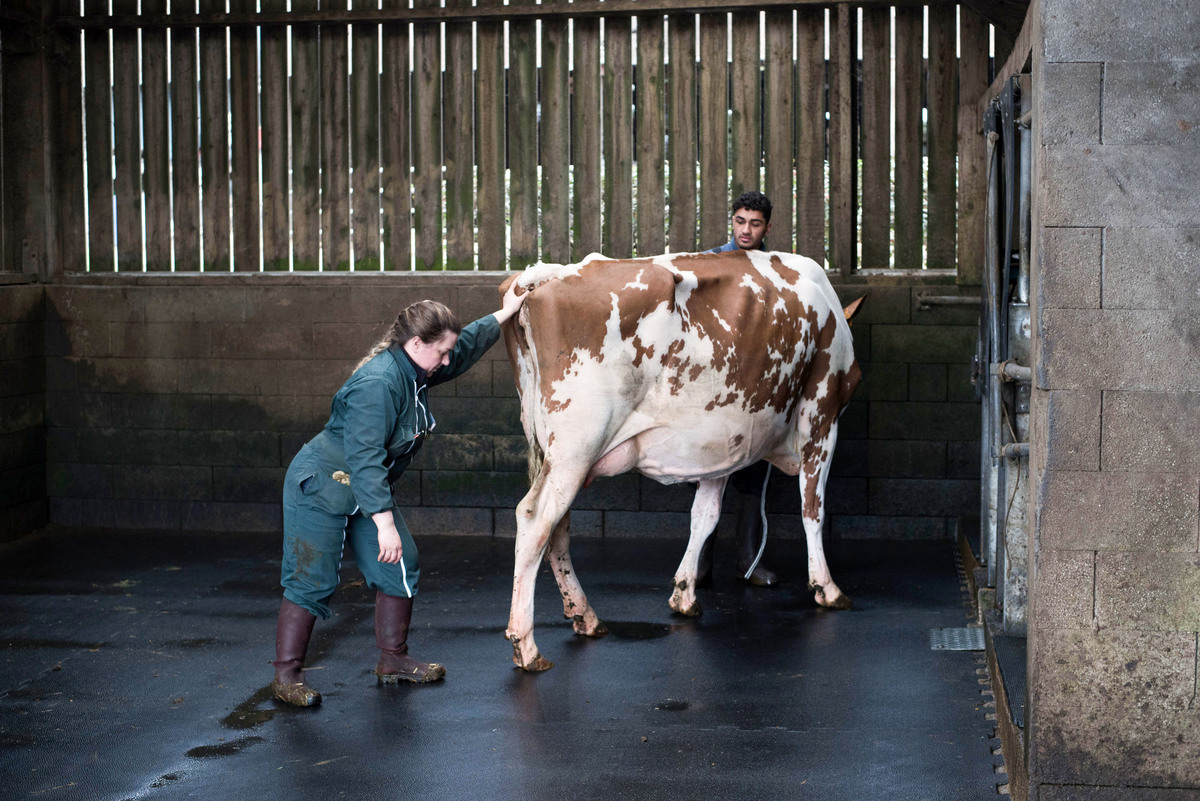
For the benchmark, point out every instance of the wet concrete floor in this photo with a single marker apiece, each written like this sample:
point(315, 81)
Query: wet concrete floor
point(135, 665)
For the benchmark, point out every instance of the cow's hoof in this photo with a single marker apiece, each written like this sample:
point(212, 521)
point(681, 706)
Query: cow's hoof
point(840, 602)
point(538, 664)
point(692, 611)
point(581, 627)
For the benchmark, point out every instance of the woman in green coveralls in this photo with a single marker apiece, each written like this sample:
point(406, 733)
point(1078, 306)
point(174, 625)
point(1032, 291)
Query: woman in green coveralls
point(338, 490)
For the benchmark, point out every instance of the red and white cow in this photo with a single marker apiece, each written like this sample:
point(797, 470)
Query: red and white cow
point(684, 368)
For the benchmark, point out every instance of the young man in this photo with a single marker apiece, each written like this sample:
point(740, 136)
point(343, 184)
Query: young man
point(751, 222)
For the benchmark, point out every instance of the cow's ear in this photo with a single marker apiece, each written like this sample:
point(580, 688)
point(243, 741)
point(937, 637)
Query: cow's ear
point(853, 308)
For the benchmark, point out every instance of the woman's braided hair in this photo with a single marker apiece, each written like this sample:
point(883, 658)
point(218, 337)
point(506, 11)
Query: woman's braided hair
point(427, 320)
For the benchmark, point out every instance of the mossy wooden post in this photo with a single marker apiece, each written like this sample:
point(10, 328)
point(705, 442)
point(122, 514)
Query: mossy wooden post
point(214, 143)
point(779, 113)
point(745, 121)
point(306, 142)
point(127, 141)
point(364, 145)
point(458, 145)
point(335, 139)
point(395, 155)
point(489, 143)
point(427, 141)
point(843, 233)
point(185, 145)
point(556, 141)
point(522, 141)
point(98, 97)
point(714, 131)
point(943, 145)
point(274, 141)
point(681, 147)
point(876, 138)
point(68, 252)
point(909, 173)
point(618, 137)
point(651, 107)
point(243, 89)
point(972, 150)
point(155, 149)
point(810, 133)
point(585, 138)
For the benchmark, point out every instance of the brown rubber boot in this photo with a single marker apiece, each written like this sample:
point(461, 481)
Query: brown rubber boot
point(392, 617)
point(749, 537)
point(291, 644)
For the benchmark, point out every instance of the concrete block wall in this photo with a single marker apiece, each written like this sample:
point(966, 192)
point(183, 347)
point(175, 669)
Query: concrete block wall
point(1115, 587)
point(23, 504)
point(176, 402)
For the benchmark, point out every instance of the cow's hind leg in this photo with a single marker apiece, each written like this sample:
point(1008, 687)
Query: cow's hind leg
point(706, 510)
point(812, 487)
point(537, 514)
point(575, 602)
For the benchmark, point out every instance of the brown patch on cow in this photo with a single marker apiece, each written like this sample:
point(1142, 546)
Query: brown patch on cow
point(640, 350)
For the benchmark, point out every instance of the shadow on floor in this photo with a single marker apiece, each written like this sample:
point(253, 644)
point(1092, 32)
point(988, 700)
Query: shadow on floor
point(135, 665)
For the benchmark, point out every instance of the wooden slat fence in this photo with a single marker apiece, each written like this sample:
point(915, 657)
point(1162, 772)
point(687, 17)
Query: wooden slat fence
point(452, 135)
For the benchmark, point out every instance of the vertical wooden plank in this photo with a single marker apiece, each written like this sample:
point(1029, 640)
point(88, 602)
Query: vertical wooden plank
point(458, 145)
point(909, 171)
point(943, 144)
point(714, 130)
point(745, 122)
point(364, 147)
point(185, 147)
point(810, 134)
point(126, 141)
point(97, 95)
point(876, 138)
point(275, 223)
point(70, 250)
point(305, 93)
point(842, 229)
point(618, 137)
point(585, 138)
point(427, 141)
point(156, 150)
point(779, 112)
point(243, 87)
point(651, 108)
point(214, 142)
point(681, 147)
point(522, 141)
point(489, 143)
point(972, 150)
point(335, 139)
point(556, 142)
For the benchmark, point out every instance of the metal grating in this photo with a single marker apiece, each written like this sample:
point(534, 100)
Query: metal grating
point(963, 639)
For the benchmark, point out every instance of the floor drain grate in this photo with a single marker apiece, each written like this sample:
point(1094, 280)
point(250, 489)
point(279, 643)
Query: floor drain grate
point(961, 639)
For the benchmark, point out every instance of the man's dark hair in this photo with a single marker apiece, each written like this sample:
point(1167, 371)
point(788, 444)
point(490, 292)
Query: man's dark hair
point(753, 201)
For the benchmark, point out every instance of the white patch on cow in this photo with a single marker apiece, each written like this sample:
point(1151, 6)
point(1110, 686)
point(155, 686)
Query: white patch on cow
point(637, 283)
point(540, 273)
point(722, 322)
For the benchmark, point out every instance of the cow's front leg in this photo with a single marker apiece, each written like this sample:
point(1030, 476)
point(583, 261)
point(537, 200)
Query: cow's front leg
point(575, 603)
point(706, 510)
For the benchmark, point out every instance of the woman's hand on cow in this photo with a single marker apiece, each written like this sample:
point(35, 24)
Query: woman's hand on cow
point(511, 303)
point(391, 550)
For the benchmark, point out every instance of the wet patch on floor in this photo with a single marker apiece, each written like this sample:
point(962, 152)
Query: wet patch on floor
point(247, 714)
point(635, 630)
point(223, 749)
point(671, 705)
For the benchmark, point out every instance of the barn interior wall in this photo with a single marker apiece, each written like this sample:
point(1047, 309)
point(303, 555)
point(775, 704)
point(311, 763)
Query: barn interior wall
point(176, 402)
point(23, 505)
point(1115, 584)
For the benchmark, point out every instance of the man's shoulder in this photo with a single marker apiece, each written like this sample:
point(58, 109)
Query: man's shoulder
point(728, 246)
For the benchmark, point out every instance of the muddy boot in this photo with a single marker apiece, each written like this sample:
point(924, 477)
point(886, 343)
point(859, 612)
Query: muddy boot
point(749, 537)
point(392, 616)
point(704, 569)
point(291, 644)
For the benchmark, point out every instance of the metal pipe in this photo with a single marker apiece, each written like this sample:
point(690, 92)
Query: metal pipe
point(1024, 173)
point(990, 334)
point(1014, 450)
point(925, 300)
point(1009, 370)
